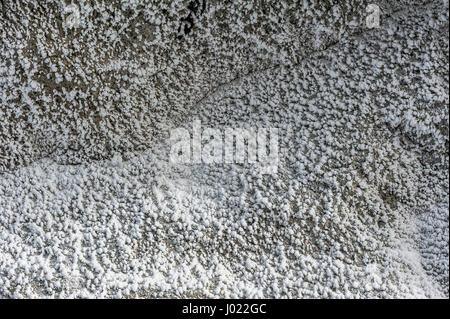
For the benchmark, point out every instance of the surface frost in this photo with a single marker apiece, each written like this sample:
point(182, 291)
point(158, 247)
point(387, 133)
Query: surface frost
point(91, 207)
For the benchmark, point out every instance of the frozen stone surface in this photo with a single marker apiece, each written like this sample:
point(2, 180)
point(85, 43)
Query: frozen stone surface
point(91, 207)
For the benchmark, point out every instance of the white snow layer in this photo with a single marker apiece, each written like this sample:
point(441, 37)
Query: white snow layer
point(358, 208)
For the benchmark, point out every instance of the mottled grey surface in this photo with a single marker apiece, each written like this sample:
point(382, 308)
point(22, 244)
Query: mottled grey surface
point(91, 207)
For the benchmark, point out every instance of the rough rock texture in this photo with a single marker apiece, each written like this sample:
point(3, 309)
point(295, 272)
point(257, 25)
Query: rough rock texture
point(91, 207)
point(128, 71)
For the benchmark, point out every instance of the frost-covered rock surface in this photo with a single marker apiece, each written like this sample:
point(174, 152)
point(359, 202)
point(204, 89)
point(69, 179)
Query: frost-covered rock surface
point(91, 207)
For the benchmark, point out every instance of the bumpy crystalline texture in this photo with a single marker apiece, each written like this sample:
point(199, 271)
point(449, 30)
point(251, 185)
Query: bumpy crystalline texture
point(358, 207)
point(116, 81)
